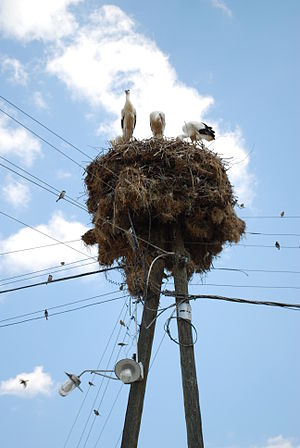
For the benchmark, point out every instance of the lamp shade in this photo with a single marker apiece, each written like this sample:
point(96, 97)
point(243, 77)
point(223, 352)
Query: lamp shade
point(128, 371)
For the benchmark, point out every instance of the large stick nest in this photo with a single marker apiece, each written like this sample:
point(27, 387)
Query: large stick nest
point(155, 184)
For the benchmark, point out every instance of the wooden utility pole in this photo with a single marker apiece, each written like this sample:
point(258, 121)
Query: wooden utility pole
point(187, 358)
point(137, 390)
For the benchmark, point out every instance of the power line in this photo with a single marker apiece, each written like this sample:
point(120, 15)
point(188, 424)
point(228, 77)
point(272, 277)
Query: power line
point(273, 234)
point(54, 193)
point(291, 306)
point(43, 233)
point(20, 316)
point(275, 271)
point(63, 312)
point(44, 126)
point(84, 274)
point(245, 286)
point(50, 268)
point(38, 247)
point(271, 217)
point(40, 138)
point(99, 363)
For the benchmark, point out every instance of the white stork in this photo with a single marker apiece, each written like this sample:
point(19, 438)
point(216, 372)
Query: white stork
point(157, 123)
point(197, 130)
point(128, 118)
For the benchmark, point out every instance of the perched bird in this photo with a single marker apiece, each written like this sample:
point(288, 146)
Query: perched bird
point(96, 412)
point(122, 323)
point(61, 195)
point(50, 278)
point(242, 205)
point(122, 344)
point(197, 130)
point(23, 382)
point(134, 356)
point(157, 123)
point(91, 384)
point(46, 314)
point(282, 214)
point(277, 245)
point(62, 263)
point(128, 118)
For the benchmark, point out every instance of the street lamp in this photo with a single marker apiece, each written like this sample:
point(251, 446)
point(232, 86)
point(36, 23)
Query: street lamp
point(127, 370)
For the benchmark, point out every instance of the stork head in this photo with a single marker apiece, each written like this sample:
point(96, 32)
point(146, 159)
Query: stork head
point(127, 91)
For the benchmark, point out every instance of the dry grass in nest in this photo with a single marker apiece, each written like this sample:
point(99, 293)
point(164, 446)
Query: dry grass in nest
point(159, 182)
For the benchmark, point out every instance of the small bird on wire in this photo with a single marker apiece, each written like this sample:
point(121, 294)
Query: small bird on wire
point(197, 131)
point(62, 263)
point(46, 314)
point(128, 118)
point(157, 123)
point(23, 382)
point(277, 245)
point(50, 278)
point(96, 412)
point(122, 323)
point(91, 384)
point(282, 214)
point(61, 195)
point(122, 344)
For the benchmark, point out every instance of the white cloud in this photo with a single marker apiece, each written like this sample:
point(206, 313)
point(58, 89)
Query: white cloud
point(39, 100)
point(279, 442)
point(59, 228)
point(39, 383)
point(14, 69)
point(107, 55)
point(221, 5)
point(36, 19)
point(16, 193)
point(18, 142)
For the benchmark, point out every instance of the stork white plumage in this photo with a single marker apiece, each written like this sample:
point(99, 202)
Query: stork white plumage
point(197, 131)
point(128, 118)
point(157, 123)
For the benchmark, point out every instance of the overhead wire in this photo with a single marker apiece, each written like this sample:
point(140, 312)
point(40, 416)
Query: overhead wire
point(291, 306)
point(20, 316)
point(37, 247)
point(97, 367)
point(45, 234)
point(61, 279)
point(63, 312)
point(99, 389)
point(63, 267)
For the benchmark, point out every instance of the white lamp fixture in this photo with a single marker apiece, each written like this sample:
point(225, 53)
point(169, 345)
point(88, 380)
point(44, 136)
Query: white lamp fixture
point(129, 371)
point(69, 385)
point(126, 370)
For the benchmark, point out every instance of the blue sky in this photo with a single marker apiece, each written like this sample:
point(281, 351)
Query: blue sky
point(232, 64)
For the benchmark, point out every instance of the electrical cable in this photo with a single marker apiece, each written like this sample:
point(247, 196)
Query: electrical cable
point(58, 306)
point(291, 306)
point(245, 286)
point(62, 312)
point(38, 247)
point(50, 268)
point(45, 234)
point(54, 193)
point(99, 388)
point(101, 358)
point(83, 274)
point(52, 272)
